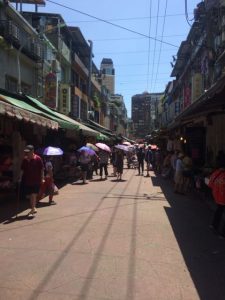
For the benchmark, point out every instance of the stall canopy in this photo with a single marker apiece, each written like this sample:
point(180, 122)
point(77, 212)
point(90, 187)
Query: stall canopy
point(85, 130)
point(20, 110)
point(128, 140)
point(105, 133)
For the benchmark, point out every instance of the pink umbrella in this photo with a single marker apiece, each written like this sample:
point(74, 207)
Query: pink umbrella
point(127, 143)
point(103, 147)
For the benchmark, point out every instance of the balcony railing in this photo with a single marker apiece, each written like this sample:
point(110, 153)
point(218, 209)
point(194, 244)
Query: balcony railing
point(19, 38)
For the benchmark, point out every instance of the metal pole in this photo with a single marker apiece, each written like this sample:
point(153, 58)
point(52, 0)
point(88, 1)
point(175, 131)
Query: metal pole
point(19, 69)
point(89, 75)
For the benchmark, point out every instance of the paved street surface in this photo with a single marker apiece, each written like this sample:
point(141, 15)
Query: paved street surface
point(129, 240)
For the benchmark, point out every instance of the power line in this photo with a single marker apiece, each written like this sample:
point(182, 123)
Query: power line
point(156, 32)
point(149, 41)
point(112, 24)
point(143, 64)
point(160, 49)
point(127, 19)
point(139, 38)
point(127, 52)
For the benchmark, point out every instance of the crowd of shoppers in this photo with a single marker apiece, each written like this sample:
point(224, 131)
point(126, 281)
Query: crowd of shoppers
point(38, 179)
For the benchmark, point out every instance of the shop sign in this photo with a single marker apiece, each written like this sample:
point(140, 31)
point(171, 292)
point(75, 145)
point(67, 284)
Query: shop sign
point(51, 90)
point(65, 98)
point(196, 86)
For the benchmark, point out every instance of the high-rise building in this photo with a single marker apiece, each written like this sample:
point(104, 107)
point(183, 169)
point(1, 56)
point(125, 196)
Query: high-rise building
point(108, 74)
point(141, 114)
point(144, 109)
point(155, 98)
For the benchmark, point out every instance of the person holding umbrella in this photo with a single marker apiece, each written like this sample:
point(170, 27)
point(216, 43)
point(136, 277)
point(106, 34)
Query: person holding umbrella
point(48, 186)
point(119, 163)
point(84, 160)
point(103, 155)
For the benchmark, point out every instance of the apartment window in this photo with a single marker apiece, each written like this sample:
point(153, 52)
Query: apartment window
point(83, 110)
point(11, 84)
point(26, 88)
point(75, 107)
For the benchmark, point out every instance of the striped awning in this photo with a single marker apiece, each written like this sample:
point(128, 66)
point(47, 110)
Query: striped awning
point(23, 114)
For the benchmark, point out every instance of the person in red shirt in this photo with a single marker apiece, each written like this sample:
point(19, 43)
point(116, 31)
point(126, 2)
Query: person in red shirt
point(217, 184)
point(32, 175)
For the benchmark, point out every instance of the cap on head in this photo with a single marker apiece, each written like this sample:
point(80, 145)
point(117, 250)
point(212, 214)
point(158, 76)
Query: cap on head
point(29, 148)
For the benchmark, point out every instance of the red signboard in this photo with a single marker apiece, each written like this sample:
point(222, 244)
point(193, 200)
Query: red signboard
point(187, 96)
point(50, 90)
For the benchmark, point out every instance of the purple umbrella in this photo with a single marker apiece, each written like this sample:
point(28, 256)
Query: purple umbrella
point(87, 150)
point(122, 147)
point(52, 151)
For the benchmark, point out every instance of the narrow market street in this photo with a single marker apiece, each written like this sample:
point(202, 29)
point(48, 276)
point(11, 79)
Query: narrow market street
point(130, 240)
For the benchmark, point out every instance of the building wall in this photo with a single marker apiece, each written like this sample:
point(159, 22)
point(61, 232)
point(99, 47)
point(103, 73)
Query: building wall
point(109, 82)
point(9, 67)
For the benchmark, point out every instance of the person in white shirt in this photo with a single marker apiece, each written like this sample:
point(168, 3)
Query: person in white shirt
point(178, 177)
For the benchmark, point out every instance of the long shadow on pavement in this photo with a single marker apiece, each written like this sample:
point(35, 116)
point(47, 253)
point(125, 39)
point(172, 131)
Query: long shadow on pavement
point(17, 204)
point(202, 251)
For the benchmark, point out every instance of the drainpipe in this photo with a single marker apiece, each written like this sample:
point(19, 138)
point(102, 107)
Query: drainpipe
point(19, 69)
point(89, 77)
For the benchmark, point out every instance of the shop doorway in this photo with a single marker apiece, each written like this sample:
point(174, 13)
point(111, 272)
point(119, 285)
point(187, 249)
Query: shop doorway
point(196, 144)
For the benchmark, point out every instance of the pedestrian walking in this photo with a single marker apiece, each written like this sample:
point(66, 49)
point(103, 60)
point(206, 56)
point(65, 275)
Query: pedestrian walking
point(84, 161)
point(119, 164)
point(187, 172)
point(103, 162)
point(32, 175)
point(217, 184)
point(140, 158)
point(113, 161)
point(178, 177)
point(48, 186)
point(148, 159)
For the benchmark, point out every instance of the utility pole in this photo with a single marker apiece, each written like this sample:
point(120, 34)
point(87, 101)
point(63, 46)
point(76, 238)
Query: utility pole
point(89, 77)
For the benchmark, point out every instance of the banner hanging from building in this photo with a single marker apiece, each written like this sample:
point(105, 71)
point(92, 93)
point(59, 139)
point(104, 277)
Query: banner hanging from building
point(64, 104)
point(51, 90)
point(196, 86)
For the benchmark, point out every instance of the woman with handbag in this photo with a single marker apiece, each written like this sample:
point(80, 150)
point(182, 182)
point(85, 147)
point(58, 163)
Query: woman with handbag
point(48, 187)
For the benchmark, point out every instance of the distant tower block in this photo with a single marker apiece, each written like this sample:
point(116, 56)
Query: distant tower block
point(108, 74)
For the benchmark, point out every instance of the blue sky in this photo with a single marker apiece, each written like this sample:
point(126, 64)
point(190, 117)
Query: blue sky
point(140, 63)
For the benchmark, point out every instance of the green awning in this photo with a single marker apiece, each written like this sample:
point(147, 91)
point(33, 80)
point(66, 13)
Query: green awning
point(85, 130)
point(72, 123)
point(22, 111)
point(105, 132)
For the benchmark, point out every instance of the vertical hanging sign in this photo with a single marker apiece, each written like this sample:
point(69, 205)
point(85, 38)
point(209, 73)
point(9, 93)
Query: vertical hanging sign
point(64, 98)
point(51, 90)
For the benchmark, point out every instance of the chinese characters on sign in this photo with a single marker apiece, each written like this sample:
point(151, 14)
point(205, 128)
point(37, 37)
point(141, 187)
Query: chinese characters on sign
point(51, 90)
point(64, 98)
